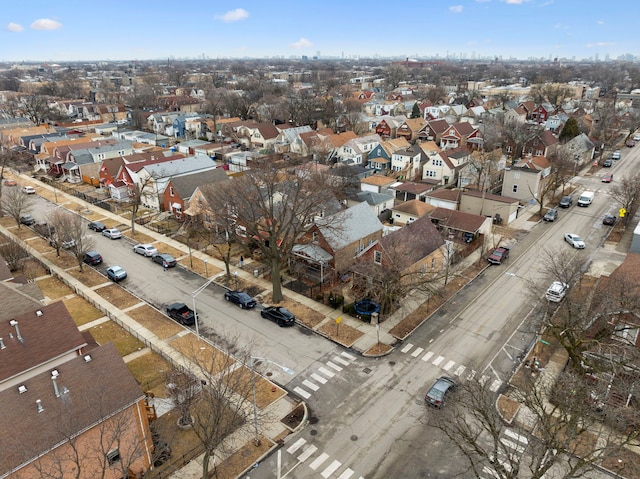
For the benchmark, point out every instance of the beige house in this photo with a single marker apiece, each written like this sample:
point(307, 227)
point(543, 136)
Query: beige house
point(503, 209)
point(410, 211)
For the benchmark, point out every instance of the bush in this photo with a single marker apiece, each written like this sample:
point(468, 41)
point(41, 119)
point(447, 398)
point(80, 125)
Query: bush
point(349, 309)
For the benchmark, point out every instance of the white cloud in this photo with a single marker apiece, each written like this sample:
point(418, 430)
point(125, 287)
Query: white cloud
point(600, 22)
point(233, 15)
point(46, 24)
point(600, 44)
point(515, 2)
point(456, 8)
point(483, 1)
point(302, 43)
point(14, 27)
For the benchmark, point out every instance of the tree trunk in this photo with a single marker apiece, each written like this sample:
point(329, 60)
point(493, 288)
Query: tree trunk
point(275, 280)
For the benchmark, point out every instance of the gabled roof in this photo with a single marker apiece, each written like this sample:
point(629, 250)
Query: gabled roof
point(414, 207)
point(187, 183)
point(166, 169)
point(438, 126)
point(445, 194)
point(350, 225)
point(413, 187)
point(458, 220)
point(490, 196)
point(267, 130)
point(339, 139)
point(16, 300)
point(372, 198)
point(419, 238)
point(548, 138)
point(537, 163)
point(378, 180)
point(464, 128)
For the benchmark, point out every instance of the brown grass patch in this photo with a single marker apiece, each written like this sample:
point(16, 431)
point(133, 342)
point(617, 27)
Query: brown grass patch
point(24, 233)
point(303, 314)
point(625, 463)
point(201, 352)
point(197, 266)
point(64, 261)
point(150, 370)
point(32, 269)
point(117, 296)
point(88, 276)
point(53, 288)
point(140, 237)
point(110, 332)
point(377, 349)
point(266, 391)
point(507, 407)
point(39, 244)
point(8, 222)
point(243, 458)
point(81, 311)
point(165, 248)
point(155, 321)
point(341, 333)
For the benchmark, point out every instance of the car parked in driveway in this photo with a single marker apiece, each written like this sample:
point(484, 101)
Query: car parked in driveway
point(27, 220)
point(551, 215)
point(116, 273)
point(574, 240)
point(97, 226)
point(609, 220)
point(181, 313)
point(240, 298)
point(279, 315)
point(566, 202)
point(92, 258)
point(112, 233)
point(166, 260)
point(438, 392)
point(500, 254)
point(145, 249)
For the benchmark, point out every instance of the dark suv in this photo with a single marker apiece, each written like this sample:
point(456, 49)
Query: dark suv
point(565, 202)
point(92, 257)
point(551, 215)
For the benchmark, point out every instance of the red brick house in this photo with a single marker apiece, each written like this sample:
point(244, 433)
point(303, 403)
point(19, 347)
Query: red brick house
point(461, 135)
point(180, 188)
point(542, 144)
point(410, 128)
point(433, 130)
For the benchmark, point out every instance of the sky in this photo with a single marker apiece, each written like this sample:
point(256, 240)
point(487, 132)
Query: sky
point(77, 30)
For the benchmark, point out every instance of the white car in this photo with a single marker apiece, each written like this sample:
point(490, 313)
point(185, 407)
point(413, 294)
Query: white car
point(29, 190)
point(145, 249)
point(113, 233)
point(557, 291)
point(574, 240)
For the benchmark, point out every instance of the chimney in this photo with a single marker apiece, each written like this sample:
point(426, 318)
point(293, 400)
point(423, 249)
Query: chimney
point(54, 376)
point(39, 404)
point(14, 323)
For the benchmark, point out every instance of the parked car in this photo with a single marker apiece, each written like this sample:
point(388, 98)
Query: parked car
point(557, 291)
point(279, 315)
point(631, 143)
point(44, 229)
point(240, 298)
point(608, 178)
point(181, 313)
point(145, 249)
point(551, 215)
point(437, 394)
point(164, 259)
point(609, 220)
point(10, 183)
point(636, 137)
point(616, 155)
point(574, 240)
point(500, 254)
point(65, 244)
point(112, 233)
point(116, 273)
point(97, 226)
point(27, 220)
point(29, 190)
point(92, 258)
point(566, 202)
point(608, 163)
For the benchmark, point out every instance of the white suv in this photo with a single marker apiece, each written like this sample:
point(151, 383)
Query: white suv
point(557, 291)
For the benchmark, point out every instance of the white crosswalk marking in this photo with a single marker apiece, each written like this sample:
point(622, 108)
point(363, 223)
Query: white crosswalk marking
point(471, 375)
point(334, 366)
point(427, 356)
point(348, 356)
point(319, 378)
point(302, 392)
point(319, 460)
point(326, 372)
point(331, 469)
point(296, 445)
point(438, 360)
point(406, 348)
point(310, 385)
point(459, 370)
point(491, 472)
point(338, 359)
point(483, 379)
point(417, 352)
point(516, 436)
point(449, 365)
point(495, 385)
point(307, 453)
point(512, 445)
point(346, 474)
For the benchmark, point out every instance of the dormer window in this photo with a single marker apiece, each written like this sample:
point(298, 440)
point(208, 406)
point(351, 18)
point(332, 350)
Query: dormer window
point(377, 257)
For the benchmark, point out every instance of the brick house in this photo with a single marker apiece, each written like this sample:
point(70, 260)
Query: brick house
point(179, 189)
point(541, 144)
point(410, 129)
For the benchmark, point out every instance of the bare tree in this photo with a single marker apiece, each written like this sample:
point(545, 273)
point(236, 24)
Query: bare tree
point(69, 233)
point(13, 253)
point(626, 193)
point(15, 203)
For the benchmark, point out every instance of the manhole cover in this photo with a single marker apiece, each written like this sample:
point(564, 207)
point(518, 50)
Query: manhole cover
point(246, 452)
point(269, 374)
point(354, 438)
point(313, 432)
point(392, 363)
point(313, 420)
point(366, 370)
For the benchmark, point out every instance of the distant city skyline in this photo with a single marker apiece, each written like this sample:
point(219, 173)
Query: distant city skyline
point(73, 30)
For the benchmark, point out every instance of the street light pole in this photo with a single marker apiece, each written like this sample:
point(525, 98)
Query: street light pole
point(193, 299)
point(252, 363)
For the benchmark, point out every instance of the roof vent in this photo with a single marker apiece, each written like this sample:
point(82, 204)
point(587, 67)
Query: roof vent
point(22, 389)
point(2, 346)
point(39, 404)
point(87, 358)
point(38, 313)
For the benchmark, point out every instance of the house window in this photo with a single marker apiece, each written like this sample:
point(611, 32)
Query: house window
point(626, 333)
point(437, 162)
point(430, 174)
point(377, 257)
point(314, 237)
point(538, 152)
point(433, 264)
point(113, 457)
point(509, 149)
point(515, 188)
point(171, 191)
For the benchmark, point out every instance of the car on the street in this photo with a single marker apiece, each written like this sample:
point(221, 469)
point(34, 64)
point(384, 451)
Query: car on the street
point(551, 215)
point(609, 220)
point(29, 190)
point(44, 229)
point(616, 155)
point(574, 240)
point(10, 183)
point(27, 220)
point(112, 233)
point(92, 258)
point(240, 298)
point(500, 254)
point(97, 226)
point(636, 137)
point(437, 394)
point(631, 143)
point(166, 260)
point(566, 202)
point(608, 163)
point(279, 315)
point(64, 244)
point(608, 178)
point(557, 291)
point(145, 249)
point(181, 313)
point(116, 273)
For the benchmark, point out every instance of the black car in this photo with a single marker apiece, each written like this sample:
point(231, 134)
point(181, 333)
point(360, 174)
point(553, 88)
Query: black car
point(609, 220)
point(27, 220)
point(436, 395)
point(551, 215)
point(565, 202)
point(166, 260)
point(92, 257)
point(240, 298)
point(279, 315)
point(97, 226)
point(181, 313)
